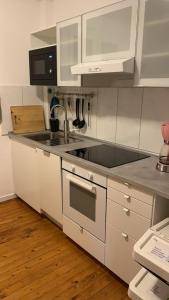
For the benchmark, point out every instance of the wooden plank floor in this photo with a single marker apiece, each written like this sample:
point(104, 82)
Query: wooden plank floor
point(37, 261)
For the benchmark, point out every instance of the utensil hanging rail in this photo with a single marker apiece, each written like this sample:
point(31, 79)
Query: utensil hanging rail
point(91, 95)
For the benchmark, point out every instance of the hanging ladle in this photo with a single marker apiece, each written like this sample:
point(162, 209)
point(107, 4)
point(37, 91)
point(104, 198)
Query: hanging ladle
point(82, 122)
point(77, 120)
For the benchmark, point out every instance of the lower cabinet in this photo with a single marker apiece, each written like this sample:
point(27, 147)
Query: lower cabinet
point(128, 218)
point(84, 239)
point(25, 171)
point(49, 166)
point(37, 179)
point(119, 248)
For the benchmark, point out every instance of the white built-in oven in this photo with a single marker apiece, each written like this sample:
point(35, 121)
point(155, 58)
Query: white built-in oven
point(84, 199)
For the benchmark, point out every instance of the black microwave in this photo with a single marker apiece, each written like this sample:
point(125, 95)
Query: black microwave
point(42, 66)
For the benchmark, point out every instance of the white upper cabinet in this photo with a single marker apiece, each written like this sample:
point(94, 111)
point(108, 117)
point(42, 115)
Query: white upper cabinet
point(43, 38)
point(68, 51)
point(129, 36)
point(110, 32)
point(153, 43)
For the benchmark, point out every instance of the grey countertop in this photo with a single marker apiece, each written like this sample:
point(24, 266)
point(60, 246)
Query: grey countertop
point(141, 173)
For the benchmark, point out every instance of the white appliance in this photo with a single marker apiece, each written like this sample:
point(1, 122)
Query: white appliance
point(152, 252)
point(84, 199)
point(118, 66)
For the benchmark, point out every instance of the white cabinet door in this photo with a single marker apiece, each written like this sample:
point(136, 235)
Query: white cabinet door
point(110, 32)
point(50, 184)
point(68, 51)
point(118, 254)
point(25, 172)
point(153, 43)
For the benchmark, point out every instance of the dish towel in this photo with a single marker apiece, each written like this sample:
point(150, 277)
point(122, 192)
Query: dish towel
point(53, 102)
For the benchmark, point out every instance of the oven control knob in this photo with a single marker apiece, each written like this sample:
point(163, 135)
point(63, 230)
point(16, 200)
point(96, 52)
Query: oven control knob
point(90, 176)
point(73, 169)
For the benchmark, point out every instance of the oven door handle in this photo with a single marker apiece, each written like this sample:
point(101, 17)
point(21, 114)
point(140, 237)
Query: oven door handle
point(82, 184)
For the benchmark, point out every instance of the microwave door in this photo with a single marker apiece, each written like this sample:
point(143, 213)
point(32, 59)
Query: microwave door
point(40, 67)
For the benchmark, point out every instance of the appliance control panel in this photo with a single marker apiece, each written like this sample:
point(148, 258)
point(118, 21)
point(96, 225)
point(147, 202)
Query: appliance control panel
point(85, 173)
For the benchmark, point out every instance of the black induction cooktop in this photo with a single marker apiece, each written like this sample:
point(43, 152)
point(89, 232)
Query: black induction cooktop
point(108, 156)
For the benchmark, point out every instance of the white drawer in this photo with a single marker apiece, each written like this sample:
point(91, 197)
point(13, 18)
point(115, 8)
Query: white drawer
point(84, 239)
point(118, 254)
point(126, 220)
point(126, 188)
point(85, 173)
point(133, 204)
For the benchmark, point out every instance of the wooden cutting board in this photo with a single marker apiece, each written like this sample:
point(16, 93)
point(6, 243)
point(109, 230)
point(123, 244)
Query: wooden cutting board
point(28, 118)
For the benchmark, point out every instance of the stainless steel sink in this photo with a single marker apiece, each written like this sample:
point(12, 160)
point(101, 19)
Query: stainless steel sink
point(51, 138)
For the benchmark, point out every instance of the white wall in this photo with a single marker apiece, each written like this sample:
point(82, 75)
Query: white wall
point(56, 10)
point(17, 19)
point(6, 179)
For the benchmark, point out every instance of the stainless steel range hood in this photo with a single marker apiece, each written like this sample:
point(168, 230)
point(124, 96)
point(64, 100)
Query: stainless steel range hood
point(120, 66)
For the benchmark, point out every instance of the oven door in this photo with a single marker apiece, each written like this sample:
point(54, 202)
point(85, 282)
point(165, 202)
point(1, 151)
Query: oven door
point(85, 203)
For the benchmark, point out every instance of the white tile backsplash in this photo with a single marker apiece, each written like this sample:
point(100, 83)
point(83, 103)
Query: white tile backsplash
point(91, 116)
point(155, 111)
point(128, 116)
point(106, 114)
point(32, 95)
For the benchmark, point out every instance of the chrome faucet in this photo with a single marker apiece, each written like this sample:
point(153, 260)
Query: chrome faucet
point(66, 122)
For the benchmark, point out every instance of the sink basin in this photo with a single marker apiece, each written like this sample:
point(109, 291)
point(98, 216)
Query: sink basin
point(51, 138)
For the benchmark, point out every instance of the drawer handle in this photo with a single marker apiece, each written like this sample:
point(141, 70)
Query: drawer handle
point(127, 197)
point(81, 230)
point(127, 184)
point(126, 210)
point(73, 169)
point(125, 235)
point(90, 176)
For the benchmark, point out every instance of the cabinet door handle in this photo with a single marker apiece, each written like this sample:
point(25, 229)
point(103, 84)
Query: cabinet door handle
point(125, 235)
point(126, 210)
point(81, 229)
point(127, 197)
point(46, 153)
point(127, 184)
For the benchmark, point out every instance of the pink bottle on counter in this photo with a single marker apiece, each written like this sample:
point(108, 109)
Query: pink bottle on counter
point(165, 132)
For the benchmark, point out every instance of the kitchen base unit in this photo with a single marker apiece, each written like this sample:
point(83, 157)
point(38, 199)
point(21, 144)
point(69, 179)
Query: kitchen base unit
point(49, 167)
point(25, 172)
point(84, 239)
point(37, 179)
point(131, 211)
point(84, 208)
